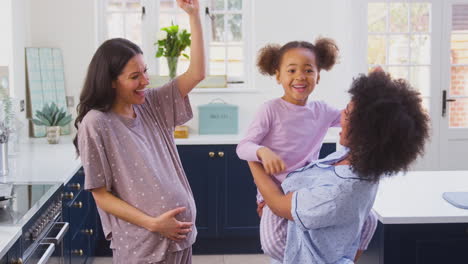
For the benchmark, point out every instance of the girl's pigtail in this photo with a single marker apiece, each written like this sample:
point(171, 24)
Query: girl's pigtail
point(327, 53)
point(267, 60)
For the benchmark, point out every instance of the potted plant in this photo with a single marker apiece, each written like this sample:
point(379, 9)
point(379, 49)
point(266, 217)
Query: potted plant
point(53, 118)
point(172, 46)
point(6, 120)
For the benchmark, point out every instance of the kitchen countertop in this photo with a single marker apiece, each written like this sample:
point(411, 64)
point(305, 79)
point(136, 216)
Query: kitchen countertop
point(38, 162)
point(197, 139)
point(8, 236)
point(416, 198)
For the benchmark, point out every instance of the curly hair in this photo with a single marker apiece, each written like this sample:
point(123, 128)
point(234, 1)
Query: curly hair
point(325, 49)
point(388, 127)
point(106, 65)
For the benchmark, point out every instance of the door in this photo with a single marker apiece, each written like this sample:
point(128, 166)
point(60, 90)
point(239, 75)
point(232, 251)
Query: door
point(426, 43)
point(238, 214)
point(199, 161)
point(454, 87)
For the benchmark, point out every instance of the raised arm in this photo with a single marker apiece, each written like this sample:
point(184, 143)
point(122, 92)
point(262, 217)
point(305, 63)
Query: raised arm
point(278, 202)
point(196, 70)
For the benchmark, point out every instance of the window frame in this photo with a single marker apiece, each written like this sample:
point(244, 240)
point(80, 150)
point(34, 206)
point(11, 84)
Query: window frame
point(387, 34)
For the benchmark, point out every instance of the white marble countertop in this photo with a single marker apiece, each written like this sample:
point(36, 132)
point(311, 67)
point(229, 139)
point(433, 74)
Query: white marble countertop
point(39, 162)
point(8, 236)
point(416, 198)
point(228, 139)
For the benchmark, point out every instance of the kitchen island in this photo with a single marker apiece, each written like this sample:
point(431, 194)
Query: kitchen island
point(416, 225)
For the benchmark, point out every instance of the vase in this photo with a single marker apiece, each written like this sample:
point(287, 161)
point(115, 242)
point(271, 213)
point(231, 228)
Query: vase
point(53, 134)
point(3, 158)
point(172, 64)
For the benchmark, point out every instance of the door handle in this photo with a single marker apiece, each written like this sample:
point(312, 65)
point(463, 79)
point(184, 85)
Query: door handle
point(46, 256)
point(59, 237)
point(444, 102)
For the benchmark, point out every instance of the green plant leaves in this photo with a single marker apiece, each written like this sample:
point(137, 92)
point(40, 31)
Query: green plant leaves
point(51, 115)
point(174, 43)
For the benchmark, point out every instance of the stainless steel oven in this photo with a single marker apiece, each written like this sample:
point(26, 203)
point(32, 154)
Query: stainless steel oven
point(49, 249)
point(38, 209)
point(43, 236)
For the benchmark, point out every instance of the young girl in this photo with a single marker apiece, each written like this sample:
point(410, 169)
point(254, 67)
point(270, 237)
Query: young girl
point(287, 132)
point(128, 152)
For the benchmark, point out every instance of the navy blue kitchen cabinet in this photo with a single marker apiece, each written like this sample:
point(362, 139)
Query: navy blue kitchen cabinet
point(225, 196)
point(419, 244)
point(79, 210)
point(199, 168)
point(13, 255)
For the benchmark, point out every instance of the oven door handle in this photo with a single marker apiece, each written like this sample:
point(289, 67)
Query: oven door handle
point(59, 237)
point(46, 256)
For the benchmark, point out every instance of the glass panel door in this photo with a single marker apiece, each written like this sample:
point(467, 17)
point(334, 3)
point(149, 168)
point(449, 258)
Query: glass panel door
point(454, 101)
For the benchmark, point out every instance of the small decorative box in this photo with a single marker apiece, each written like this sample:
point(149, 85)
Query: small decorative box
point(217, 118)
point(181, 132)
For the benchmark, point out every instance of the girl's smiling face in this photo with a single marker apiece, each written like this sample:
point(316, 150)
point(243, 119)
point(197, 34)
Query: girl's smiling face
point(298, 74)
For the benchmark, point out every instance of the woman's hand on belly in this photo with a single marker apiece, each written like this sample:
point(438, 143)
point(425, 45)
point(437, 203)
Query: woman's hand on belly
point(168, 226)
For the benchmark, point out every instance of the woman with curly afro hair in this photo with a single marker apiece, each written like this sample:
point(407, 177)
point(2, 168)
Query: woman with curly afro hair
point(384, 129)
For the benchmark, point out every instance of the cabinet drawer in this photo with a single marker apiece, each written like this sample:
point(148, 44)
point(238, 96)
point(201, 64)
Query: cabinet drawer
point(14, 254)
point(79, 248)
point(425, 243)
point(76, 212)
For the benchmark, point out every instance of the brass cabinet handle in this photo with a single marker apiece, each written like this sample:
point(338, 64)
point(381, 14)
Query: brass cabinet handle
point(69, 195)
point(89, 232)
point(211, 154)
point(78, 252)
point(78, 205)
point(18, 261)
point(75, 186)
point(221, 154)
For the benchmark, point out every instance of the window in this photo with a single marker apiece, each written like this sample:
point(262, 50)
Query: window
point(224, 24)
point(123, 19)
point(399, 39)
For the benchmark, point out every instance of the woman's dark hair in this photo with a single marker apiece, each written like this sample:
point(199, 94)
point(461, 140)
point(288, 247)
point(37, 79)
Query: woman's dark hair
point(387, 126)
point(325, 49)
point(106, 65)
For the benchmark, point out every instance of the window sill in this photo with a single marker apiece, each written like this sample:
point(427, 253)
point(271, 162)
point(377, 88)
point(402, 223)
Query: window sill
point(225, 90)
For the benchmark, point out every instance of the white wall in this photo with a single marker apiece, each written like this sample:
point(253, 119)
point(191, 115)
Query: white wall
point(14, 22)
point(5, 28)
point(70, 26)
